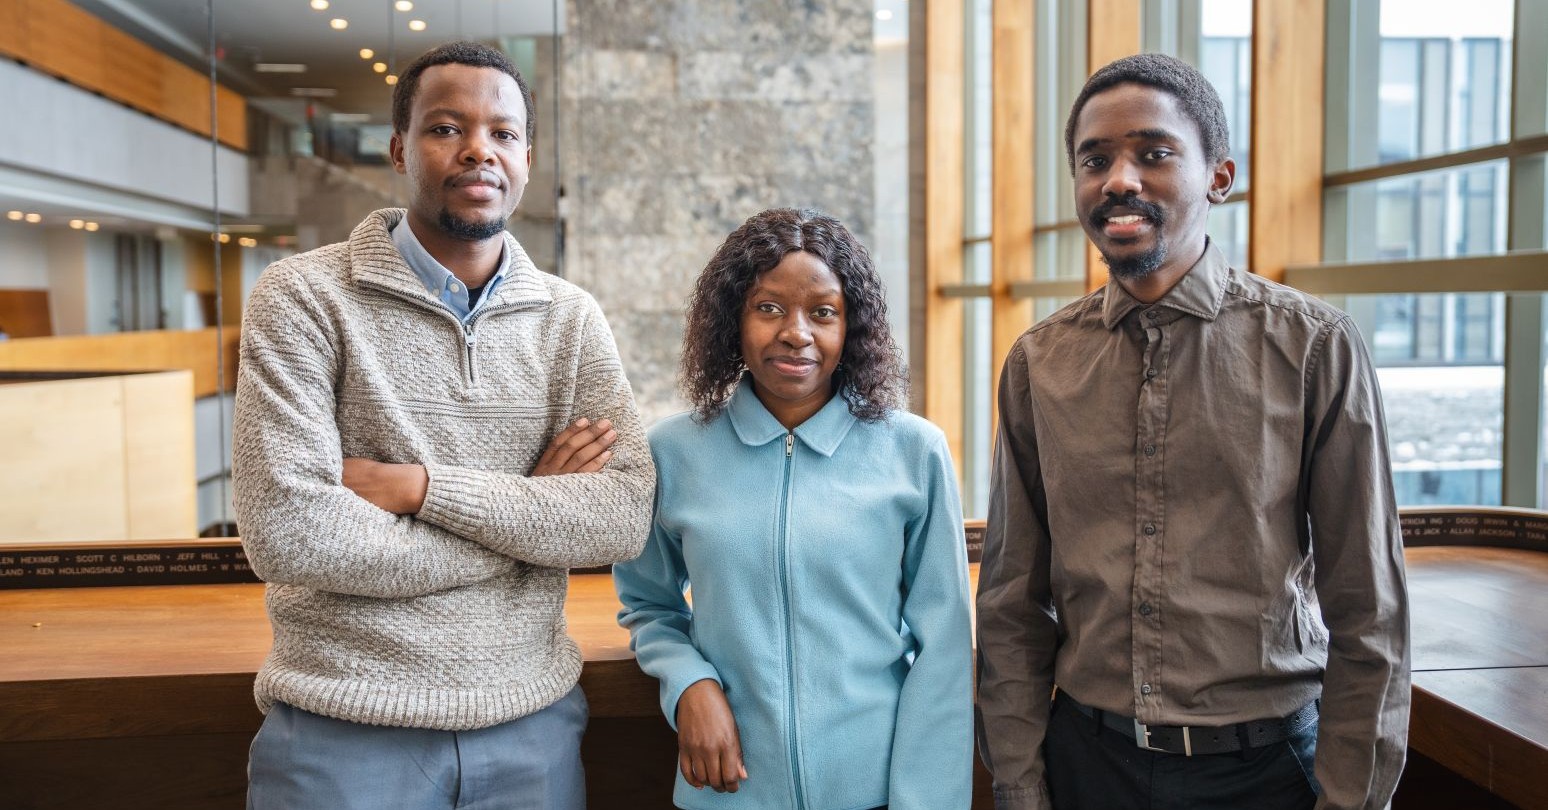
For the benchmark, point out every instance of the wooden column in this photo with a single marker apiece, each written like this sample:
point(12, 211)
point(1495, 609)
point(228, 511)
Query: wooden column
point(1285, 224)
point(944, 180)
point(1013, 184)
point(1112, 32)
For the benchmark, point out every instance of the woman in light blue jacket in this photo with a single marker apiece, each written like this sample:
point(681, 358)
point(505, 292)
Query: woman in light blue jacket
point(825, 662)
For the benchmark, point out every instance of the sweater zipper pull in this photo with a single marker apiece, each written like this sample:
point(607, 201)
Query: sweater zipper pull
point(789, 444)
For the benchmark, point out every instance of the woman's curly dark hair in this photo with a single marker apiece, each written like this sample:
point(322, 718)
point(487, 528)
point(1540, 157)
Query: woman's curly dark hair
point(870, 375)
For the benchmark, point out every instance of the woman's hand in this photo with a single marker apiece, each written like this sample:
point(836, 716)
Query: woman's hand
point(581, 447)
point(709, 749)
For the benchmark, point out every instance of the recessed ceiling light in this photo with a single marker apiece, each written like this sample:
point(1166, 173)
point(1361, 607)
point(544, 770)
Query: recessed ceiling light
point(279, 67)
point(380, 67)
point(416, 25)
point(366, 53)
point(339, 23)
point(884, 14)
point(14, 216)
point(91, 226)
point(392, 78)
point(34, 218)
point(77, 223)
point(320, 5)
point(403, 5)
point(247, 241)
point(225, 238)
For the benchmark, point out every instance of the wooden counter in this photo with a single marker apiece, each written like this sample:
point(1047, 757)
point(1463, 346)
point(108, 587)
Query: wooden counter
point(103, 686)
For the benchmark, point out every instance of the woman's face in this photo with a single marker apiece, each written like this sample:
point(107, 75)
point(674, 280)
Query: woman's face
point(793, 326)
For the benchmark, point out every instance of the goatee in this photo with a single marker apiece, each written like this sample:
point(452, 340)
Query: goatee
point(469, 230)
point(1136, 267)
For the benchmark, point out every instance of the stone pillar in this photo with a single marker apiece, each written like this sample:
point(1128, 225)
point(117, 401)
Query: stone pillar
point(680, 119)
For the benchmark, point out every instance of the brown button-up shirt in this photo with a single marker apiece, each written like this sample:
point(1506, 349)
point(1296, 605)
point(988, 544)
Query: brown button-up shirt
point(1192, 522)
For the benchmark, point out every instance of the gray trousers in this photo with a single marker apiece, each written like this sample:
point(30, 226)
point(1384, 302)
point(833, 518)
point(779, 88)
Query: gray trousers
point(301, 760)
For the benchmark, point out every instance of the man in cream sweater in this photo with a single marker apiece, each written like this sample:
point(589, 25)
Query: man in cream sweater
point(429, 432)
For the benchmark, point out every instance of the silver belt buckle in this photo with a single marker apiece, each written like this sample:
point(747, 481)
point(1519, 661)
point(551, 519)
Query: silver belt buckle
point(1142, 739)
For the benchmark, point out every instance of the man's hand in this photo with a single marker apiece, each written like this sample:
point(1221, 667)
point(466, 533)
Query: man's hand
point(709, 749)
point(581, 447)
point(396, 488)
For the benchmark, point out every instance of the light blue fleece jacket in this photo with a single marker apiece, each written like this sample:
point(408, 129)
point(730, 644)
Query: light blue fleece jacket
point(830, 600)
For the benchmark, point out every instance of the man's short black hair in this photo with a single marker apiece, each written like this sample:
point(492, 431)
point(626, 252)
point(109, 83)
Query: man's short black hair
point(455, 53)
point(1186, 84)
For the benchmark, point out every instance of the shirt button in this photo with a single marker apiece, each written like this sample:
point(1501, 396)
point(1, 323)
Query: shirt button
point(1146, 609)
point(1145, 689)
point(1150, 373)
point(1150, 528)
point(1150, 449)
point(1152, 315)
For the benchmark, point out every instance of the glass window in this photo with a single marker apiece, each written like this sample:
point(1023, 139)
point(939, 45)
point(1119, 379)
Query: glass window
point(1431, 215)
point(1444, 82)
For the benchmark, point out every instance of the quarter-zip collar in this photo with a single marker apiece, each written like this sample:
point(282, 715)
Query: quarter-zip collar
point(374, 259)
point(755, 426)
point(1198, 293)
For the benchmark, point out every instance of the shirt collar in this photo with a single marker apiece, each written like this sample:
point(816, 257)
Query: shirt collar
point(755, 426)
point(1198, 293)
point(436, 278)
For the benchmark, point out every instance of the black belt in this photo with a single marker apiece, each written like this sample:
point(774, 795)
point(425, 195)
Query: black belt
point(1196, 740)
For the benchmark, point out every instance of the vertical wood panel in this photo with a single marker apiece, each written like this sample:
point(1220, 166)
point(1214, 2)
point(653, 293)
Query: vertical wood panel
point(1112, 32)
point(161, 485)
point(1285, 227)
point(63, 475)
point(945, 74)
point(1014, 116)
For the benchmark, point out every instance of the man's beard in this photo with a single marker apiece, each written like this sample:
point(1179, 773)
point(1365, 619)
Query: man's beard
point(468, 230)
point(1142, 265)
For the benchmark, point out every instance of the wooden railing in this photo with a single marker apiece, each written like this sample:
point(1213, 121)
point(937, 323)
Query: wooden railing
point(58, 38)
point(201, 351)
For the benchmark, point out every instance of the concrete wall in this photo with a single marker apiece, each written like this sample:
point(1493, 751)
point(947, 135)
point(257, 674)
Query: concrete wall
point(679, 120)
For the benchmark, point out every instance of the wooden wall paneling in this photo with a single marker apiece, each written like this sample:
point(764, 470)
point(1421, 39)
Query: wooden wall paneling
point(195, 350)
point(1288, 59)
point(63, 476)
point(1014, 114)
point(65, 41)
point(132, 71)
point(61, 39)
point(25, 313)
point(945, 74)
point(1112, 32)
point(161, 484)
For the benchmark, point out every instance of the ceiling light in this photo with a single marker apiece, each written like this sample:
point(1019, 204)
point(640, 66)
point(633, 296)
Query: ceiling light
point(224, 238)
point(403, 5)
point(279, 67)
point(314, 92)
point(247, 241)
point(339, 23)
point(380, 67)
point(91, 226)
point(320, 5)
point(77, 223)
point(416, 25)
point(884, 14)
point(34, 218)
point(366, 53)
point(14, 216)
point(392, 78)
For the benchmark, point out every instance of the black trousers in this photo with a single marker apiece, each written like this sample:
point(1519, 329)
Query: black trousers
point(1096, 768)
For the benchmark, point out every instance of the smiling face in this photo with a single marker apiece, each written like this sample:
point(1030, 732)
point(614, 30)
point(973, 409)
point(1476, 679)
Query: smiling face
point(464, 151)
point(1143, 184)
point(793, 332)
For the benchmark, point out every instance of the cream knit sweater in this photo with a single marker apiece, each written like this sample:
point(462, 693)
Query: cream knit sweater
point(453, 618)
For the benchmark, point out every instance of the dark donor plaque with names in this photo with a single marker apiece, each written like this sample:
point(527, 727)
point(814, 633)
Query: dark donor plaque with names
point(105, 564)
point(1524, 529)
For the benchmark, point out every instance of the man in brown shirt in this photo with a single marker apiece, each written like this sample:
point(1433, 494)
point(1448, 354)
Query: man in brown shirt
point(1192, 530)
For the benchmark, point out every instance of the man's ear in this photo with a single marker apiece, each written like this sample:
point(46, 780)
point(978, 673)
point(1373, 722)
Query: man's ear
point(1221, 180)
point(395, 153)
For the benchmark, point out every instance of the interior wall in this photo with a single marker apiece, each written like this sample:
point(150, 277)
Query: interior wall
point(23, 256)
point(681, 119)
